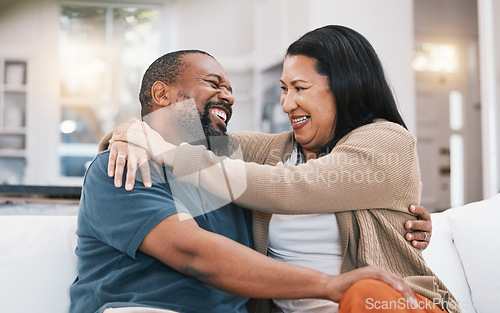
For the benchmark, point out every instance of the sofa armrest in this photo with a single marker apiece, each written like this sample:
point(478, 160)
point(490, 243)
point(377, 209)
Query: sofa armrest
point(443, 259)
point(474, 229)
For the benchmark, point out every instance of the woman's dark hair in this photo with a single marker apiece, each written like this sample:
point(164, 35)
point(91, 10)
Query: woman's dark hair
point(355, 76)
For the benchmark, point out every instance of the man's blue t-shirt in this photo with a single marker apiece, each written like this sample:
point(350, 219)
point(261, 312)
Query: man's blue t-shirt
point(112, 223)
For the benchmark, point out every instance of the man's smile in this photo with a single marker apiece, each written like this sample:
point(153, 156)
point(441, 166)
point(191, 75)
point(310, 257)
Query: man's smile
point(219, 113)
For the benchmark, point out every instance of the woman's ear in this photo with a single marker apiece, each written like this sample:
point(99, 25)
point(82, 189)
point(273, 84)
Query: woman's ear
point(160, 94)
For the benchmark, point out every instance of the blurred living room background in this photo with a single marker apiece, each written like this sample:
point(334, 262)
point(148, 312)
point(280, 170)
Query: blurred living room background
point(70, 71)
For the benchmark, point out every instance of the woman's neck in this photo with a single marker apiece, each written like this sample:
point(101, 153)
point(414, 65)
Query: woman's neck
point(309, 155)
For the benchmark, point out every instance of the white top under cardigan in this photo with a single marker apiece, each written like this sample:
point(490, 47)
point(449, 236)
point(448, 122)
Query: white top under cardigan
point(311, 241)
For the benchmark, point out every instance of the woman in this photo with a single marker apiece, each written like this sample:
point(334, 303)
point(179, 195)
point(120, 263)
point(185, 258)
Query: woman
point(361, 165)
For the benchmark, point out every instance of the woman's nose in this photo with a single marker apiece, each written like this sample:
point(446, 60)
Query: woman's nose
point(288, 104)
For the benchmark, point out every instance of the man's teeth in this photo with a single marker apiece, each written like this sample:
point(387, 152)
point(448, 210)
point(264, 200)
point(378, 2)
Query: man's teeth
point(221, 114)
point(300, 119)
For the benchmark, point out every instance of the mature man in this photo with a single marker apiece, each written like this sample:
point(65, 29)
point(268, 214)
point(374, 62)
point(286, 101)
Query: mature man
point(178, 251)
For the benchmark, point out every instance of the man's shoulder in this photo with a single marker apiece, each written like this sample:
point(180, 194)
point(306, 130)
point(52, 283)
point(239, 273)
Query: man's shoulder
point(101, 186)
point(98, 166)
point(96, 182)
point(100, 197)
point(101, 158)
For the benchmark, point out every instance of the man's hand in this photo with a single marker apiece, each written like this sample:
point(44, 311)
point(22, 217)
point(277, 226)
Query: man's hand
point(421, 229)
point(338, 286)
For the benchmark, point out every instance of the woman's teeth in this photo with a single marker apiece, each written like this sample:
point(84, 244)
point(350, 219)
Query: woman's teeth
point(300, 119)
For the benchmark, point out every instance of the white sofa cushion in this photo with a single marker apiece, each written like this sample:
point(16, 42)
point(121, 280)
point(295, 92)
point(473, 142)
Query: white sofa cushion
point(443, 259)
point(37, 263)
point(474, 227)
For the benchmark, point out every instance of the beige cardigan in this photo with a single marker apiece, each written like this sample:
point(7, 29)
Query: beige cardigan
point(369, 180)
point(370, 211)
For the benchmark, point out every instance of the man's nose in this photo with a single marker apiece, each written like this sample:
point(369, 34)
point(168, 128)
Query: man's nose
point(226, 96)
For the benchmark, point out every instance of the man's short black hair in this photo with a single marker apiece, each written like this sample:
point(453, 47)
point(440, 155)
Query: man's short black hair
point(168, 69)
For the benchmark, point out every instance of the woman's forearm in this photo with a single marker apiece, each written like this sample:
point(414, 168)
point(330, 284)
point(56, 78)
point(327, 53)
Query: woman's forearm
point(377, 172)
point(373, 167)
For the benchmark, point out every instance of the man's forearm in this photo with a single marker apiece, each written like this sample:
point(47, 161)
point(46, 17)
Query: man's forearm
point(227, 265)
point(242, 271)
point(178, 242)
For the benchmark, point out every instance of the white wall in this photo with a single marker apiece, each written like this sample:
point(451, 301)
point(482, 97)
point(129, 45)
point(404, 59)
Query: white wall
point(222, 28)
point(496, 27)
point(445, 17)
point(225, 30)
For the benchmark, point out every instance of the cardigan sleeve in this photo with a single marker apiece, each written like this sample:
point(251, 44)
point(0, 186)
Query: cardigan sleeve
point(104, 143)
point(374, 166)
point(255, 145)
point(251, 143)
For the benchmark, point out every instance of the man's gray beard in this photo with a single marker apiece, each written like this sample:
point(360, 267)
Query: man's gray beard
point(218, 141)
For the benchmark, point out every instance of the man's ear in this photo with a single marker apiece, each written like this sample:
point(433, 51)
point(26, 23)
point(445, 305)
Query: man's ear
point(161, 94)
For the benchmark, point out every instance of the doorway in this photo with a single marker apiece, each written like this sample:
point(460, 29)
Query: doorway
point(447, 102)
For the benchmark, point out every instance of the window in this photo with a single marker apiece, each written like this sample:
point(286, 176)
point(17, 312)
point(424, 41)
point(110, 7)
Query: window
point(432, 57)
point(104, 50)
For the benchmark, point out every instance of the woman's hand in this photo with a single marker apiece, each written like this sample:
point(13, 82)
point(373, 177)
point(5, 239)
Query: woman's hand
point(421, 229)
point(122, 153)
point(140, 134)
point(134, 141)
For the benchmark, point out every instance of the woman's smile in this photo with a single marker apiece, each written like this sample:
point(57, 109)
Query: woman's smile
point(307, 99)
point(299, 122)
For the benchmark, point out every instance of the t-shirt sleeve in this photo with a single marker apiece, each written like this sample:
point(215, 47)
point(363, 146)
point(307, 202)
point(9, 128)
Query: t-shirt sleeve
point(121, 218)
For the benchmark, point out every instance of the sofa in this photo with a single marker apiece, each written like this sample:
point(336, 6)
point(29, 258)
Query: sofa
point(38, 263)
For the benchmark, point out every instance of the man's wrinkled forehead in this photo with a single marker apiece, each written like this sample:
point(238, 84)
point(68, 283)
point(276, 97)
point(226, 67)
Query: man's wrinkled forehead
point(204, 66)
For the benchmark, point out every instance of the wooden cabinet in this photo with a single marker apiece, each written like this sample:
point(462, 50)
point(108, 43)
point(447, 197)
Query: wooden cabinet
point(13, 102)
